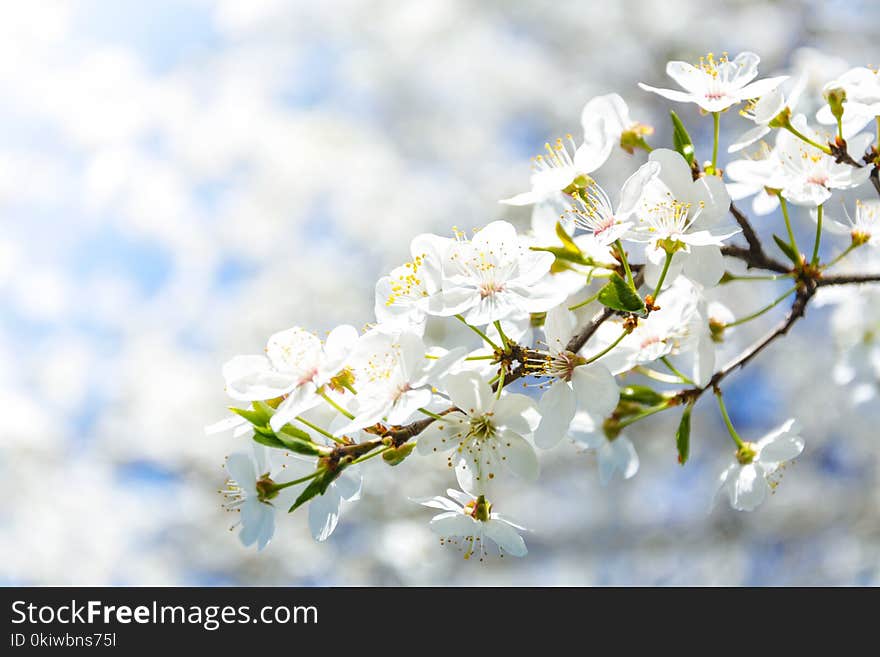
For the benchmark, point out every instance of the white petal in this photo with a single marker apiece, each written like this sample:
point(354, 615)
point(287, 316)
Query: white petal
point(252, 378)
point(469, 392)
point(556, 407)
point(749, 488)
point(518, 455)
point(671, 94)
point(241, 469)
point(596, 389)
point(453, 524)
point(506, 537)
point(324, 514)
point(517, 413)
point(704, 265)
point(634, 186)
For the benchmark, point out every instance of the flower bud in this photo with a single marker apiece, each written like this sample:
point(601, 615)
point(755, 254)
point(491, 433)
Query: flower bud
point(397, 455)
point(835, 97)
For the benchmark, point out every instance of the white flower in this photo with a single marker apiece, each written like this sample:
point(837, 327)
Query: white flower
point(402, 296)
point(249, 492)
point(495, 276)
point(485, 432)
point(296, 365)
point(862, 104)
point(680, 326)
point(575, 386)
point(560, 168)
point(809, 174)
point(752, 176)
point(864, 228)
point(747, 480)
point(615, 121)
point(593, 210)
point(617, 456)
point(393, 377)
point(683, 214)
point(471, 519)
point(717, 84)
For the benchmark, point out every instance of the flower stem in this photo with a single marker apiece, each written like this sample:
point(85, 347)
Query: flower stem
point(784, 205)
point(763, 310)
point(288, 484)
point(730, 429)
point(845, 253)
point(504, 339)
point(339, 408)
point(431, 414)
point(815, 259)
point(663, 274)
point(367, 457)
point(315, 427)
point(672, 368)
point(586, 302)
point(774, 277)
point(593, 359)
point(662, 406)
point(625, 263)
point(501, 375)
point(806, 139)
point(716, 119)
point(477, 331)
point(657, 376)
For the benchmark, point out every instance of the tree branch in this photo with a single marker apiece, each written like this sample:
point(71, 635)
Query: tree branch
point(846, 279)
point(754, 256)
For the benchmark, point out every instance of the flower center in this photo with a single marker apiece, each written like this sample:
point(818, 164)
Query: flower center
point(481, 427)
point(746, 454)
point(489, 288)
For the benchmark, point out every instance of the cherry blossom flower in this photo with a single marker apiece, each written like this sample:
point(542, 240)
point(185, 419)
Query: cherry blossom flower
point(716, 84)
point(619, 127)
point(493, 277)
point(862, 99)
point(616, 456)
point(750, 477)
point(486, 432)
point(574, 386)
point(472, 520)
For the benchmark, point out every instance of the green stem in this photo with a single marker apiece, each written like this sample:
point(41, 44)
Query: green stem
point(504, 339)
point(492, 357)
point(646, 413)
point(625, 263)
point(593, 359)
point(815, 259)
point(774, 277)
point(730, 429)
point(586, 302)
point(657, 376)
point(477, 331)
point(315, 427)
point(674, 370)
point(852, 247)
point(763, 310)
point(784, 205)
point(501, 375)
point(367, 457)
point(288, 484)
point(663, 274)
point(806, 139)
point(716, 119)
point(335, 405)
point(430, 414)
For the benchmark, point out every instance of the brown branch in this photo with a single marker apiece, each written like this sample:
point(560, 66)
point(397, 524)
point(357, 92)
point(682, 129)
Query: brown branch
point(847, 279)
point(748, 232)
point(754, 256)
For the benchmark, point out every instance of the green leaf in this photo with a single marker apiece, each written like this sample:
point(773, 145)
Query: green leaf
point(268, 439)
point(297, 441)
point(681, 140)
point(617, 295)
point(642, 395)
point(255, 416)
point(683, 435)
point(788, 250)
point(567, 243)
point(318, 486)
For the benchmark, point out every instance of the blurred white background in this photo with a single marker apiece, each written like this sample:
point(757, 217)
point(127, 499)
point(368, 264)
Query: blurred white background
point(179, 179)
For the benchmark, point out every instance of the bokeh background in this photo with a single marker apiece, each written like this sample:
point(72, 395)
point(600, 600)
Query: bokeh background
point(179, 179)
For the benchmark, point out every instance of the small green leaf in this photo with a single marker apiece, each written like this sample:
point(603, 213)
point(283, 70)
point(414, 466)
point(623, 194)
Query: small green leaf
point(683, 435)
point(681, 140)
point(297, 441)
point(788, 250)
point(617, 295)
point(318, 486)
point(567, 243)
point(255, 416)
point(642, 395)
point(268, 439)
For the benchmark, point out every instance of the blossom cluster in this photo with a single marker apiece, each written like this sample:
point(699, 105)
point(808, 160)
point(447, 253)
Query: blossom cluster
point(599, 313)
